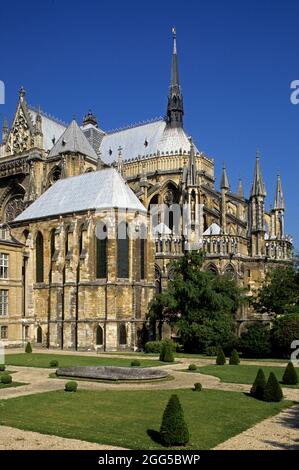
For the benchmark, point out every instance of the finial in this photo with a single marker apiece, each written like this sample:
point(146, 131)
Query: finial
point(22, 92)
point(257, 153)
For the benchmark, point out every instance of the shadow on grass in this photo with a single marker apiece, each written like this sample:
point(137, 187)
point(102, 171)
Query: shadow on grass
point(155, 436)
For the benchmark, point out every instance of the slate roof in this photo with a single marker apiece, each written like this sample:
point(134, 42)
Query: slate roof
point(144, 140)
point(73, 140)
point(50, 128)
point(99, 190)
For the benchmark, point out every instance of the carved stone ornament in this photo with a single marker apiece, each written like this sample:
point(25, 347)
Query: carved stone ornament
point(13, 208)
point(21, 138)
point(168, 197)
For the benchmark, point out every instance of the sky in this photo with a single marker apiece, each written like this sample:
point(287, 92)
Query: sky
point(236, 59)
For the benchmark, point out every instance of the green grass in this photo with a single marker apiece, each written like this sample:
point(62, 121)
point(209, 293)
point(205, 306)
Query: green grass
point(67, 360)
point(13, 384)
point(243, 373)
point(123, 418)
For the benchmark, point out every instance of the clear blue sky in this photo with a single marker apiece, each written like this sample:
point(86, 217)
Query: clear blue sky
point(236, 58)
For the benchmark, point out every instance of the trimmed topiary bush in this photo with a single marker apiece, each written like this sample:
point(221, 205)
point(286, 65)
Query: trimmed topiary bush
point(166, 354)
point(234, 359)
point(220, 359)
point(259, 385)
point(192, 367)
point(153, 347)
point(290, 376)
point(135, 363)
point(6, 378)
point(54, 363)
point(2, 367)
point(174, 430)
point(273, 390)
point(71, 386)
point(28, 348)
point(197, 387)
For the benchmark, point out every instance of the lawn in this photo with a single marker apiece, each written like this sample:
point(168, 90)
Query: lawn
point(243, 373)
point(13, 384)
point(129, 418)
point(43, 360)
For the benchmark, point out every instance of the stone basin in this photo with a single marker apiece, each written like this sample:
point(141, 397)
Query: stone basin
point(111, 373)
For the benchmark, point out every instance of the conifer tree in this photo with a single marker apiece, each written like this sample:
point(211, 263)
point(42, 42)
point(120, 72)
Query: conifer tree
point(174, 430)
point(290, 376)
point(273, 390)
point(259, 385)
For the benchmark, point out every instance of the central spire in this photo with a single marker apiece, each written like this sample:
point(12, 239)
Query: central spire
point(175, 108)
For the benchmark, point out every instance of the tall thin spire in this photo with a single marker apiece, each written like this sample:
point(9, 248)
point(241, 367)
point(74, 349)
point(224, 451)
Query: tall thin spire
point(224, 183)
point(191, 171)
point(258, 187)
point(240, 188)
point(175, 108)
point(279, 199)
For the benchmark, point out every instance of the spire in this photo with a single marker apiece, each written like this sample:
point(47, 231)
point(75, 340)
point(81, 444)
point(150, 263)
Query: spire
point(279, 199)
point(5, 131)
point(258, 187)
point(175, 109)
point(224, 183)
point(240, 188)
point(191, 175)
point(90, 118)
point(22, 93)
point(38, 122)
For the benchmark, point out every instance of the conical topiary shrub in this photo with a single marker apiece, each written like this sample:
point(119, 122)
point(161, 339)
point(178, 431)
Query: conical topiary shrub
point(28, 348)
point(174, 430)
point(290, 376)
point(220, 359)
point(259, 385)
point(273, 390)
point(234, 359)
point(166, 354)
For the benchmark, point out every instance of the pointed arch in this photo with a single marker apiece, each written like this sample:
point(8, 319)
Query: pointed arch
point(122, 250)
point(39, 335)
point(99, 336)
point(211, 267)
point(122, 334)
point(101, 250)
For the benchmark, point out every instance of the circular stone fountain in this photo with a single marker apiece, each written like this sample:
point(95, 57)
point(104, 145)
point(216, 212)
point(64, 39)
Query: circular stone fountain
point(111, 373)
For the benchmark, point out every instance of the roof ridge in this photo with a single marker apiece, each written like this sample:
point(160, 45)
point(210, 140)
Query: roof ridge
point(47, 115)
point(136, 124)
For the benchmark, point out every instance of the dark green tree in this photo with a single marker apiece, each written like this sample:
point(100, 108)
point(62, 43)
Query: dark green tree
point(255, 340)
point(220, 359)
point(174, 430)
point(166, 354)
point(28, 348)
point(290, 376)
point(200, 304)
point(259, 385)
point(285, 330)
point(279, 293)
point(234, 359)
point(273, 390)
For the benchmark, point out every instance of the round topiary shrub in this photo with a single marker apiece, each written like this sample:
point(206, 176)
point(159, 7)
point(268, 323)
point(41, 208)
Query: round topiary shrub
point(6, 378)
point(192, 367)
point(290, 376)
point(54, 363)
point(71, 386)
point(135, 363)
point(2, 367)
point(28, 348)
point(220, 359)
point(174, 430)
point(197, 387)
point(166, 354)
point(259, 385)
point(153, 347)
point(234, 359)
point(273, 390)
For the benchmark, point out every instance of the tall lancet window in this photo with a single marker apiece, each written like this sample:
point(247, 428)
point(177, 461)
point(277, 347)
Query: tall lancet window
point(39, 257)
point(101, 250)
point(123, 251)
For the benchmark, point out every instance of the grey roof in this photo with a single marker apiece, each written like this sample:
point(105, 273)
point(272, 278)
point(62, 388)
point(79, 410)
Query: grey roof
point(99, 190)
point(73, 140)
point(51, 128)
point(143, 141)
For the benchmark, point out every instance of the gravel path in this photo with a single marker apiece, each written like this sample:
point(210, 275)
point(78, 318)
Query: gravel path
point(281, 432)
point(16, 439)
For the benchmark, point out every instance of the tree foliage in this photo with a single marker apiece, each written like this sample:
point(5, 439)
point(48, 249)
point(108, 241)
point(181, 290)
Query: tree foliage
point(255, 340)
point(200, 304)
point(285, 330)
point(259, 385)
point(273, 390)
point(174, 430)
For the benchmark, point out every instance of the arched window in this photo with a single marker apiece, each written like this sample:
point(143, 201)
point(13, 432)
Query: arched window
point(101, 251)
point(142, 245)
point(81, 239)
point(52, 243)
point(122, 334)
point(158, 286)
point(99, 336)
point(123, 251)
point(212, 268)
point(229, 270)
point(66, 240)
point(39, 258)
point(39, 334)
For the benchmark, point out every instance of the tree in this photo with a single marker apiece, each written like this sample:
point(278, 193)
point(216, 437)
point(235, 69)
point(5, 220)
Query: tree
point(290, 376)
point(174, 430)
point(284, 331)
point(255, 340)
point(273, 390)
point(28, 348)
point(234, 359)
point(279, 293)
point(200, 304)
point(220, 359)
point(259, 385)
point(166, 354)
